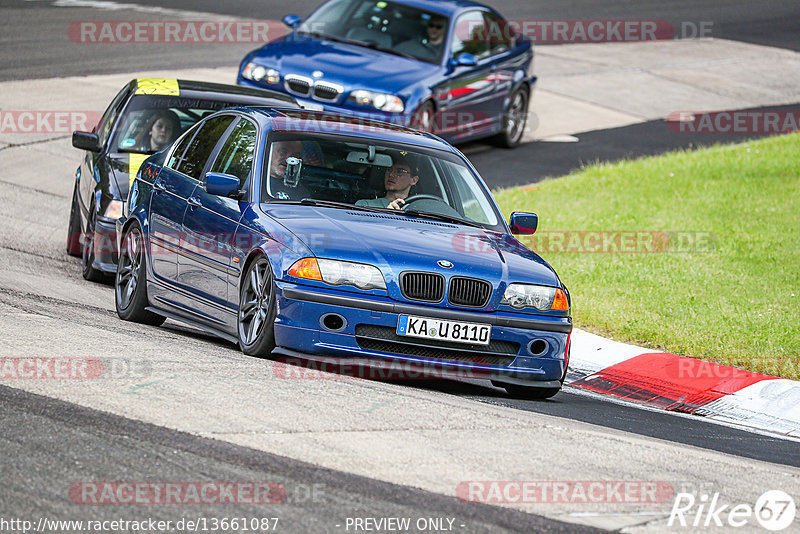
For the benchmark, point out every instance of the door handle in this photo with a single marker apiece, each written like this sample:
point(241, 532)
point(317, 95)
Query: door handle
point(158, 185)
point(194, 202)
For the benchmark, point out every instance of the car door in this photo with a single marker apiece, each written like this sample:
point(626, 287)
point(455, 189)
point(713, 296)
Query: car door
point(209, 226)
point(171, 189)
point(504, 62)
point(466, 94)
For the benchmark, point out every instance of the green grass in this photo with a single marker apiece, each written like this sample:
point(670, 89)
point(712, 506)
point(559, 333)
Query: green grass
point(735, 302)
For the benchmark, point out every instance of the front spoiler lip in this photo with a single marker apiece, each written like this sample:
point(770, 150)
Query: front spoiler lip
point(564, 324)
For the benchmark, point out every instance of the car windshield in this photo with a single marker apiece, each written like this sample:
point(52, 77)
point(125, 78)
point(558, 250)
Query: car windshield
point(368, 174)
point(152, 122)
point(388, 26)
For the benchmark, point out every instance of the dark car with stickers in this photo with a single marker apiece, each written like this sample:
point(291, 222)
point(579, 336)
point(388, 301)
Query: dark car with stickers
point(147, 115)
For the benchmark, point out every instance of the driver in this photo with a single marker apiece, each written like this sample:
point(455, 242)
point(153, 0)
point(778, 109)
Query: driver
point(398, 180)
point(162, 127)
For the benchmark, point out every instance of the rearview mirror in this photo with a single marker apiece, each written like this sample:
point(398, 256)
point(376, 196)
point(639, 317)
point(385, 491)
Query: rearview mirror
point(86, 141)
point(293, 21)
point(381, 160)
point(463, 60)
point(522, 223)
point(220, 184)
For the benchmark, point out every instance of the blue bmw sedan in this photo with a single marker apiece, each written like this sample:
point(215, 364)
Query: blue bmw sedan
point(310, 235)
point(451, 67)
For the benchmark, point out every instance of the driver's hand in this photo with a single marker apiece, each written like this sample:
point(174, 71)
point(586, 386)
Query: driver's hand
point(396, 204)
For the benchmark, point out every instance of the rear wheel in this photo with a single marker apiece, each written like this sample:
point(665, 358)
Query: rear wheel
point(130, 284)
point(74, 227)
point(87, 252)
point(514, 119)
point(256, 318)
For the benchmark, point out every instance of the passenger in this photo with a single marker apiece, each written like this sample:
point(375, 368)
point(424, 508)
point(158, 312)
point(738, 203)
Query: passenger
point(398, 180)
point(162, 128)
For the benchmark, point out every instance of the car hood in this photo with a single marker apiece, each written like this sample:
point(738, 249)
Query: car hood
point(399, 243)
point(348, 65)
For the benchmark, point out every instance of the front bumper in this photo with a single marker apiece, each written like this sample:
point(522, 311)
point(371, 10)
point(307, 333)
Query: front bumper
point(369, 330)
point(105, 247)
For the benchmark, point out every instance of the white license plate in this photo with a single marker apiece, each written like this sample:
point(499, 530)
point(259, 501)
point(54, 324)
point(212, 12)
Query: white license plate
point(457, 331)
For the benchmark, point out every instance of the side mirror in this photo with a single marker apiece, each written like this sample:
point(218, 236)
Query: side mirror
point(293, 21)
point(522, 223)
point(463, 60)
point(221, 185)
point(86, 141)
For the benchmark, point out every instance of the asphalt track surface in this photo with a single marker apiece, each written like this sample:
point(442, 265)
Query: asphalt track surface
point(52, 441)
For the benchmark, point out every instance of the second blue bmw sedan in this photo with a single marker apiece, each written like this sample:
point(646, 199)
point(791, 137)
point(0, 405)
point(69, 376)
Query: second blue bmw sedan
point(451, 67)
point(304, 234)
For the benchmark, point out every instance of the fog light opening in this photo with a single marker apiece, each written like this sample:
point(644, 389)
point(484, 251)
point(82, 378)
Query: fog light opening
point(538, 347)
point(333, 322)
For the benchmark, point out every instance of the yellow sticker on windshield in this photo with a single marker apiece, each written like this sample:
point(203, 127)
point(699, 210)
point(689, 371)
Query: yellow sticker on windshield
point(381, 4)
point(157, 86)
point(134, 162)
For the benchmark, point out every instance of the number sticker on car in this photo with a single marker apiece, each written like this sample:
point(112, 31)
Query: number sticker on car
point(457, 331)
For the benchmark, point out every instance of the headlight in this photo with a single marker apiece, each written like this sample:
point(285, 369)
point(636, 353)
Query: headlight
point(379, 101)
point(113, 210)
point(253, 71)
point(337, 273)
point(540, 297)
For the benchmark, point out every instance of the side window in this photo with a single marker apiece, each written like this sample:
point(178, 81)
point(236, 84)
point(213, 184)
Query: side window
point(236, 156)
point(110, 116)
point(194, 158)
point(498, 34)
point(177, 154)
point(470, 35)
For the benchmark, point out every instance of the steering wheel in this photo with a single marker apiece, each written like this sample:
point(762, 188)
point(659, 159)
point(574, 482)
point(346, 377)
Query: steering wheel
point(414, 198)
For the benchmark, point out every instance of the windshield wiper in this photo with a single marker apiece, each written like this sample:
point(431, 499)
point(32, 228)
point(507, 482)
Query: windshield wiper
point(135, 151)
point(324, 204)
point(375, 46)
point(439, 217)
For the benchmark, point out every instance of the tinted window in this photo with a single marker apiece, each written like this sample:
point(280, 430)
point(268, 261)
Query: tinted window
point(199, 149)
point(499, 34)
point(180, 149)
point(110, 116)
point(470, 35)
point(236, 156)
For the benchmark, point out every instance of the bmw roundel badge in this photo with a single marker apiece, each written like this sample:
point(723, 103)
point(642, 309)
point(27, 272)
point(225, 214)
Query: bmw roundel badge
point(446, 264)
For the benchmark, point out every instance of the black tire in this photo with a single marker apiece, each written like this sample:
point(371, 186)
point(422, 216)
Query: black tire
point(130, 284)
point(424, 118)
point(74, 227)
point(526, 392)
point(514, 119)
point(87, 250)
point(256, 315)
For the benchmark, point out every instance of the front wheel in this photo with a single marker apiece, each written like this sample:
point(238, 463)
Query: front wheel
point(130, 284)
point(423, 118)
point(514, 119)
point(256, 318)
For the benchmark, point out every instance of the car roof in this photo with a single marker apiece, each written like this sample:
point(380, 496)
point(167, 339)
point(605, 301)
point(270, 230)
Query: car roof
point(445, 7)
point(325, 122)
point(236, 94)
